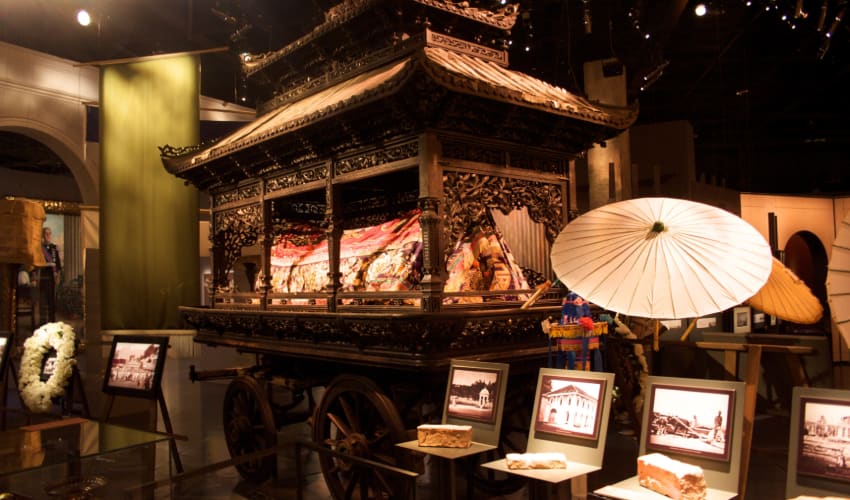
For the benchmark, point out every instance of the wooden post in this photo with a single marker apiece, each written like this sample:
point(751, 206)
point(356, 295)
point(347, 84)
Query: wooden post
point(750, 395)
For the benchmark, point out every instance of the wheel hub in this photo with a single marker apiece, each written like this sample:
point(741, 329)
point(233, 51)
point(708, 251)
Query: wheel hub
point(355, 445)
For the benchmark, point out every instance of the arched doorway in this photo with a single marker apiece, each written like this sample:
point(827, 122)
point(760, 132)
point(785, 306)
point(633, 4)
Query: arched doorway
point(806, 256)
point(33, 165)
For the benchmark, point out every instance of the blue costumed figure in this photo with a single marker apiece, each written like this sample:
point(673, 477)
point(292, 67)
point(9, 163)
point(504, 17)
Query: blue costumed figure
point(573, 309)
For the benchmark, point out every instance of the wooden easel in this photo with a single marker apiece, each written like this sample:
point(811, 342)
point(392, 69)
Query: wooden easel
point(178, 464)
point(75, 385)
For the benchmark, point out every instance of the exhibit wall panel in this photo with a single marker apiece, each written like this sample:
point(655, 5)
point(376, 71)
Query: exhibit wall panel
point(148, 218)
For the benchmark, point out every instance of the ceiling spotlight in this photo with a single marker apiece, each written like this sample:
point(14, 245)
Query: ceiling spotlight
point(653, 75)
point(700, 10)
point(822, 17)
point(838, 18)
point(83, 17)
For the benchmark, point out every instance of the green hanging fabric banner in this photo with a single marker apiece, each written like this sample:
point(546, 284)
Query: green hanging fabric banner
point(148, 218)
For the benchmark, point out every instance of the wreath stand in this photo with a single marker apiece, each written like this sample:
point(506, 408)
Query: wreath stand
point(169, 430)
point(66, 405)
point(75, 387)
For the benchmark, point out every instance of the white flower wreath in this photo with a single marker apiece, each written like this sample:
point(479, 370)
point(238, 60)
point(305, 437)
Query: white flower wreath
point(37, 395)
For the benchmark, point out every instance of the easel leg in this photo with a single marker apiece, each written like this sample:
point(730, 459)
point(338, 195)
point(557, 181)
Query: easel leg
point(171, 443)
point(76, 385)
point(107, 408)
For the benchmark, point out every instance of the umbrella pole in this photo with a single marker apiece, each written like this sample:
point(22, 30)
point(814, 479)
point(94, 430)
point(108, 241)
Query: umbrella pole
point(688, 330)
point(655, 335)
point(536, 295)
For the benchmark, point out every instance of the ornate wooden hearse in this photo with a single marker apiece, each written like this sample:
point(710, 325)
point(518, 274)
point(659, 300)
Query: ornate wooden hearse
point(389, 141)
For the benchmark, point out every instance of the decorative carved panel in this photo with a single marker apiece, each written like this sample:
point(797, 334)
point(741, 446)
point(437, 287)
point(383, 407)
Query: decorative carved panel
point(389, 154)
point(234, 195)
point(468, 196)
point(433, 335)
point(297, 178)
point(233, 230)
point(467, 47)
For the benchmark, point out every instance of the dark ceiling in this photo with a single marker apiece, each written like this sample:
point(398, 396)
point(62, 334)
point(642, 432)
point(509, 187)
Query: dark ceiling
point(764, 87)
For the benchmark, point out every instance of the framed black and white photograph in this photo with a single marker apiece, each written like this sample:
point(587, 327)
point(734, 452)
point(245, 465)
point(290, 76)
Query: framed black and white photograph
point(473, 393)
point(5, 349)
point(569, 406)
point(690, 420)
point(741, 320)
point(135, 364)
point(48, 366)
point(824, 439)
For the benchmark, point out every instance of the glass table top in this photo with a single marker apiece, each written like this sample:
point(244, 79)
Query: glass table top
point(61, 441)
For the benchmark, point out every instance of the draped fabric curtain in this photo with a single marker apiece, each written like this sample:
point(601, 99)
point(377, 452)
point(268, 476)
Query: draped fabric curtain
point(148, 218)
point(526, 239)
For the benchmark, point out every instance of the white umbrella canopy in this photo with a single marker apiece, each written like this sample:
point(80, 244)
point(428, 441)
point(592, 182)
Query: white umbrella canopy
point(838, 279)
point(662, 258)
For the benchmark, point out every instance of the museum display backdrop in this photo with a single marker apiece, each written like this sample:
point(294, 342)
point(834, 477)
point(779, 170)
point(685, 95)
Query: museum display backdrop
point(148, 219)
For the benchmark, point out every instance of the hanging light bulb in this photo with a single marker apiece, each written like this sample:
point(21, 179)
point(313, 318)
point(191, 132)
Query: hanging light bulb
point(700, 10)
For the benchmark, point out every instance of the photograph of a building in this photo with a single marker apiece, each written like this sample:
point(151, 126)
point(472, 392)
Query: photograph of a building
point(473, 393)
point(133, 365)
point(569, 406)
point(824, 449)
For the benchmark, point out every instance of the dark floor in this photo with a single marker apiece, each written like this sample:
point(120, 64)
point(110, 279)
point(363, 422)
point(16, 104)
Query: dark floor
point(196, 408)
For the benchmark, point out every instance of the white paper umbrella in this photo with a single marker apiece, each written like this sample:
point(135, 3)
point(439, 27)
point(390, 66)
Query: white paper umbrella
point(662, 258)
point(838, 279)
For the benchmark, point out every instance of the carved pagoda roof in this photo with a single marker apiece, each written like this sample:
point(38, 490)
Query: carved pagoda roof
point(503, 19)
point(453, 71)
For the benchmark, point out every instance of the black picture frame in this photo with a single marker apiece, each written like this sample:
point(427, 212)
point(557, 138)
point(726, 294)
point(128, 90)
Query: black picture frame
point(5, 352)
point(742, 319)
point(473, 393)
point(48, 364)
point(569, 406)
point(823, 445)
point(135, 364)
point(683, 420)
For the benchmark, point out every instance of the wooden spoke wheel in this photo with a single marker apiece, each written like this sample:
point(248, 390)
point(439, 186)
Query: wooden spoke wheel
point(356, 418)
point(249, 427)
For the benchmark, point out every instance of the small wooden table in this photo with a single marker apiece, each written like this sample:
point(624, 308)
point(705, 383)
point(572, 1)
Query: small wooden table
point(447, 456)
point(751, 380)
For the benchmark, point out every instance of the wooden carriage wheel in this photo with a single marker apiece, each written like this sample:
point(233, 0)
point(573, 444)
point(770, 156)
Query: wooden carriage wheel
point(249, 427)
point(356, 418)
